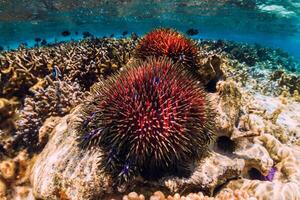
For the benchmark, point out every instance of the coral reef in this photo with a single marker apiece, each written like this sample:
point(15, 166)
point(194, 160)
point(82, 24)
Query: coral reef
point(152, 109)
point(233, 103)
point(52, 80)
point(62, 159)
point(8, 116)
point(263, 69)
point(210, 70)
point(257, 124)
point(84, 62)
point(252, 54)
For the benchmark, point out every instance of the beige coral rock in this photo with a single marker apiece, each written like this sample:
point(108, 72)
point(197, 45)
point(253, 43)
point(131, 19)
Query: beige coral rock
point(23, 193)
point(7, 113)
point(46, 129)
point(63, 170)
point(8, 169)
point(24, 163)
point(133, 196)
point(3, 189)
point(286, 183)
point(296, 96)
point(224, 195)
point(234, 195)
point(206, 176)
point(287, 127)
point(14, 174)
point(211, 68)
point(256, 156)
point(229, 104)
point(249, 125)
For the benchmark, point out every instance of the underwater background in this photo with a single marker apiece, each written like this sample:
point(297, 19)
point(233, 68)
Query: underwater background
point(274, 23)
point(159, 100)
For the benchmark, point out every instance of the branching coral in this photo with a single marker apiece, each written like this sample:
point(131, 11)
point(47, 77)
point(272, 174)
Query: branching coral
point(84, 62)
point(57, 99)
point(7, 113)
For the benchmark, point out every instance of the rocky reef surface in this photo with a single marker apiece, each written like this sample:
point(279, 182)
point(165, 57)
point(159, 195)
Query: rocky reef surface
point(255, 155)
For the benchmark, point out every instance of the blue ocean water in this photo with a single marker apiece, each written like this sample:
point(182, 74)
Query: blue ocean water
point(272, 23)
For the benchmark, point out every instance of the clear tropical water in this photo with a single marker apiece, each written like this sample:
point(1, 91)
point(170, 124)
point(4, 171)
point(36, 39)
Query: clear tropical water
point(273, 23)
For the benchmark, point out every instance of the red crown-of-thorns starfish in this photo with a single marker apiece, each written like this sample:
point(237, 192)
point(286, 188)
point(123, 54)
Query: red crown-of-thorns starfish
point(170, 43)
point(150, 117)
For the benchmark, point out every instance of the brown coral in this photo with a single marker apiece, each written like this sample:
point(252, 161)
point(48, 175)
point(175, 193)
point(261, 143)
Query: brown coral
point(84, 62)
point(56, 100)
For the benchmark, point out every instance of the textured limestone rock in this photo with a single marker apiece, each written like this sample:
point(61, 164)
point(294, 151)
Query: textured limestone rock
point(255, 156)
point(286, 182)
point(211, 68)
point(63, 170)
point(3, 189)
point(206, 175)
point(224, 195)
point(229, 101)
point(287, 126)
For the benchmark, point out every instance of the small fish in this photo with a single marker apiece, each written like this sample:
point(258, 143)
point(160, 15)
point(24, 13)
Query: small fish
point(192, 32)
point(87, 34)
point(44, 42)
point(56, 73)
point(37, 39)
point(65, 33)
